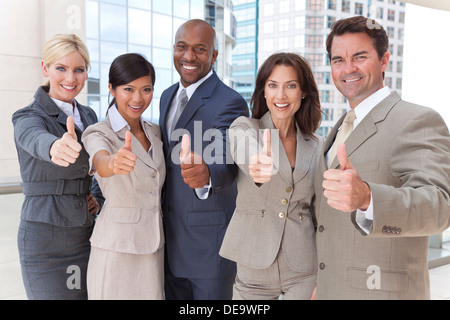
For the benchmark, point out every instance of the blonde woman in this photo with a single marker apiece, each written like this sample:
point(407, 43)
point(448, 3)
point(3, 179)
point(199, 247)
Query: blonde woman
point(60, 199)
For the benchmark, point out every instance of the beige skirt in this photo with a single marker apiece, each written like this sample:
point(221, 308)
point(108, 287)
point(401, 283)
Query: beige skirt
point(125, 276)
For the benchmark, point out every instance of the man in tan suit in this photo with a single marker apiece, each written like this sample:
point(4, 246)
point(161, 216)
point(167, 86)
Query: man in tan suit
point(388, 187)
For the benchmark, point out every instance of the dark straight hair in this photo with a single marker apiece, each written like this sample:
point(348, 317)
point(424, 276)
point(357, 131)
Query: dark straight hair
point(309, 115)
point(127, 68)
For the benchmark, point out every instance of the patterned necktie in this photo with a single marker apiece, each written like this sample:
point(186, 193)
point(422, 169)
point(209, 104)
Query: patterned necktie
point(182, 101)
point(344, 132)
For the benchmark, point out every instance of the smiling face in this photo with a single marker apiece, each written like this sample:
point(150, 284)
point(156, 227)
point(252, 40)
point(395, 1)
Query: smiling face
point(194, 53)
point(283, 95)
point(67, 76)
point(133, 98)
point(356, 69)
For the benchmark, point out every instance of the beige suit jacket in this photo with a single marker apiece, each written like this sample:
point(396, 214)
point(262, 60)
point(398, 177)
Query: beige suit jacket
point(131, 219)
point(278, 214)
point(402, 151)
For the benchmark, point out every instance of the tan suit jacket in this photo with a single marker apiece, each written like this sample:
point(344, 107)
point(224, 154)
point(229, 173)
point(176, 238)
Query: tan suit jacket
point(131, 219)
point(402, 151)
point(278, 214)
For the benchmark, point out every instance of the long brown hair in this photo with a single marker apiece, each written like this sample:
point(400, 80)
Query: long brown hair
point(309, 115)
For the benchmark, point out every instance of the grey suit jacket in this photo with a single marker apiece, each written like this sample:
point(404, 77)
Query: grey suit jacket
point(131, 220)
point(402, 151)
point(53, 194)
point(278, 214)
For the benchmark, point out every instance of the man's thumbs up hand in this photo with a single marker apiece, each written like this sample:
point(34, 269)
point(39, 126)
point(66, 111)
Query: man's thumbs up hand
point(261, 164)
point(124, 160)
point(66, 150)
point(343, 187)
point(194, 171)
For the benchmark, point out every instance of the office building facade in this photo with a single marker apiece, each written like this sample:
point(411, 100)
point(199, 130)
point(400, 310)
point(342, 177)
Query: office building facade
point(302, 26)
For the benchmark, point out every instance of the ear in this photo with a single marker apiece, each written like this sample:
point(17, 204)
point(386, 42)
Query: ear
point(111, 90)
point(214, 57)
point(44, 68)
point(385, 60)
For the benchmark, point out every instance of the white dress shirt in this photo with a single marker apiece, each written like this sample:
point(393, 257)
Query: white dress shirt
point(118, 123)
point(70, 110)
point(365, 218)
point(202, 193)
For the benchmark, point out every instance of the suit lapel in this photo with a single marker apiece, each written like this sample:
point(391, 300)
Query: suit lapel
point(195, 102)
point(304, 155)
point(366, 128)
point(136, 146)
point(281, 161)
point(164, 110)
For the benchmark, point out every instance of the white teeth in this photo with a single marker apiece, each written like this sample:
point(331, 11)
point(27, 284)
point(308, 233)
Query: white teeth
point(135, 107)
point(352, 80)
point(189, 67)
point(68, 87)
point(279, 105)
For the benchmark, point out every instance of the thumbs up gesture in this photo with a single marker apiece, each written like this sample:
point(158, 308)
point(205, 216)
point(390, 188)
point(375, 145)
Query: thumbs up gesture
point(194, 170)
point(66, 150)
point(343, 187)
point(261, 164)
point(124, 160)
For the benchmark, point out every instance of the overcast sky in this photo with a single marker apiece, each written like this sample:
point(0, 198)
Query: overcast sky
point(426, 56)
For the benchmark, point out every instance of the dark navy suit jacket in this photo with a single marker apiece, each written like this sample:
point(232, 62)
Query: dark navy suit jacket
point(195, 228)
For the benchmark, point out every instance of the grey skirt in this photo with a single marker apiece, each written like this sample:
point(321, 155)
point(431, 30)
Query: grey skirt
point(54, 260)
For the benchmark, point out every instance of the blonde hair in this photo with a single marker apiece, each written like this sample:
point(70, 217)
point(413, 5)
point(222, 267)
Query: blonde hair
point(61, 45)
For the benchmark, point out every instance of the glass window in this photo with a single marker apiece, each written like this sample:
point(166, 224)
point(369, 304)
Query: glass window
point(142, 4)
point(268, 27)
point(299, 41)
point(269, 9)
point(162, 31)
point(119, 2)
point(283, 6)
point(139, 27)
point(91, 19)
point(163, 80)
point(176, 24)
point(93, 49)
point(162, 58)
point(283, 43)
point(181, 8)
point(268, 45)
point(283, 25)
point(359, 9)
point(162, 6)
point(110, 50)
point(345, 6)
point(300, 4)
point(300, 22)
point(146, 51)
point(113, 23)
point(94, 103)
point(197, 9)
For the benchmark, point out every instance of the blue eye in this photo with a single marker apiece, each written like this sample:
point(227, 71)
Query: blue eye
point(60, 68)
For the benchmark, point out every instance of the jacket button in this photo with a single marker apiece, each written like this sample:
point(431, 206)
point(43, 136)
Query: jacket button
point(288, 189)
point(321, 228)
point(322, 266)
point(284, 202)
point(281, 215)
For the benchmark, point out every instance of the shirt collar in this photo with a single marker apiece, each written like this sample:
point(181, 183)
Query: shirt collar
point(118, 122)
point(362, 109)
point(66, 107)
point(191, 89)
